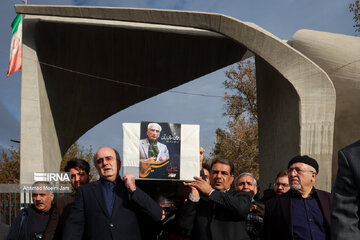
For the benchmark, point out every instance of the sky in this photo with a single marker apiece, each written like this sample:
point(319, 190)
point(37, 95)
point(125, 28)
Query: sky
point(280, 17)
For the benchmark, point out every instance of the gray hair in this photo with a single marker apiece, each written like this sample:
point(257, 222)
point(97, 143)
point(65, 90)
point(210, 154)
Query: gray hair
point(246, 174)
point(155, 124)
point(48, 184)
point(312, 169)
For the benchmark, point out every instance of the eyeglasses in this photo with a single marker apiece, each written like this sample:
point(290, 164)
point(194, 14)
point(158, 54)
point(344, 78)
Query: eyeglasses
point(107, 158)
point(284, 185)
point(297, 170)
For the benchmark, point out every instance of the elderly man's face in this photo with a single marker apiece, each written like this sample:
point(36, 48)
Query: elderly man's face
point(78, 177)
point(106, 164)
point(153, 133)
point(246, 183)
point(42, 200)
point(220, 177)
point(300, 176)
point(282, 185)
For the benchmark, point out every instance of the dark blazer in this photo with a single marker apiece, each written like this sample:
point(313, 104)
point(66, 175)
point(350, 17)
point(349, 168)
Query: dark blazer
point(345, 215)
point(278, 215)
point(23, 227)
point(220, 216)
point(58, 218)
point(89, 218)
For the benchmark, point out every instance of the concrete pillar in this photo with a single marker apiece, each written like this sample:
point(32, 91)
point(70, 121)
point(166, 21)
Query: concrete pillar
point(39, 145)
point(279, 121)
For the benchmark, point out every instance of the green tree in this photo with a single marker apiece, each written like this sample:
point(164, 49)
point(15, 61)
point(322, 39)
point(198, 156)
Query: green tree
point(10, 166)
point(9, 174)
point(239, 141)
point(355, 8)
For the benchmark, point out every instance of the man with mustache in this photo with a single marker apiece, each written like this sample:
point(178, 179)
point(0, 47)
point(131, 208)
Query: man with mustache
point(31, 222)
point(303, 212)
point(79, 170)
point(111, 207)
point(255, 222)
point(214, 211)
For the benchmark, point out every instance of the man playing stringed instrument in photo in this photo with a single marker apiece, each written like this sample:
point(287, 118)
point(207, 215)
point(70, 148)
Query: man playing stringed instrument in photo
point(153, 154)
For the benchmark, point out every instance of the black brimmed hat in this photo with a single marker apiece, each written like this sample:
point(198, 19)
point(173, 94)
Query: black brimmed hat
point(305, 159)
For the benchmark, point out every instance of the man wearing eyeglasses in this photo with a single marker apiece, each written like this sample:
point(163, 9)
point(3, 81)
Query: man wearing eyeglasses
point(152, 152)
point(281, 184)
point(303, 212)
point(112, 207)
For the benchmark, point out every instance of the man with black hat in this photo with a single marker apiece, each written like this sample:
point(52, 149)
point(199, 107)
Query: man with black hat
point(303, 212)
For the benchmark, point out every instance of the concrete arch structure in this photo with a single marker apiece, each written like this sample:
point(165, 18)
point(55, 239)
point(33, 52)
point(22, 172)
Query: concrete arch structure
point(339, 56)
point(65, 55)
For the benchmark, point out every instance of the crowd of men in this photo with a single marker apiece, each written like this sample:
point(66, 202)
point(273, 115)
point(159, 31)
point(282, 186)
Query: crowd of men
point(113, 207)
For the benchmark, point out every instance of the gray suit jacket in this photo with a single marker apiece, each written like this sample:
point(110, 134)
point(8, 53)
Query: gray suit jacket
point(346, 205)
point(144, 148)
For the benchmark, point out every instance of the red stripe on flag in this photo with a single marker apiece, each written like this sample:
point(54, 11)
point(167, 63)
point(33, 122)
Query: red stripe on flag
point(15, 61)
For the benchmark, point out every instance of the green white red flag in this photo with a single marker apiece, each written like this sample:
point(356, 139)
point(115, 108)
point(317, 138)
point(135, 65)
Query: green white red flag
point(15, 48)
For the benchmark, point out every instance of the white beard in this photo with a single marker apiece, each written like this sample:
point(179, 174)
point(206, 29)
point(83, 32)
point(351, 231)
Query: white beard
point(295, 186)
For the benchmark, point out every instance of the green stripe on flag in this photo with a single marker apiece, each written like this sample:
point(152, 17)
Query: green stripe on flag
point(15, 23)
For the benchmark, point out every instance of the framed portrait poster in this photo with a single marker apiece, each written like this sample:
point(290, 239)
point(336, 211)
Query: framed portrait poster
point(161, 151)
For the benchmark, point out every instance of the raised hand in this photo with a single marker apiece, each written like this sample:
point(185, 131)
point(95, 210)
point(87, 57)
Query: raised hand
point(129, 181)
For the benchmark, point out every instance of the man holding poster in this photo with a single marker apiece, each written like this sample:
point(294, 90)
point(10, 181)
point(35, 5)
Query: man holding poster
point(153, 154)
point(213, 210)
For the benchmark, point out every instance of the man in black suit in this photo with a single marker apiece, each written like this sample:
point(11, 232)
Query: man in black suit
point(219, 213)
point(345, 214)
point(110, 208)
point(303, 212)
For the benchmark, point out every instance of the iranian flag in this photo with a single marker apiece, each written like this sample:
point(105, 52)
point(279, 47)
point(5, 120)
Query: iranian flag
point(15, 48)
